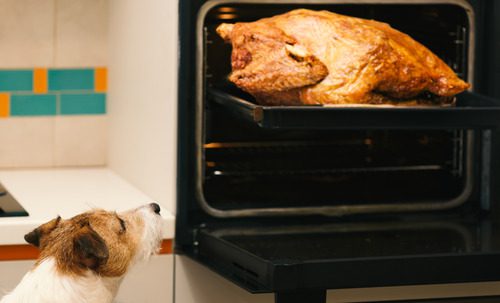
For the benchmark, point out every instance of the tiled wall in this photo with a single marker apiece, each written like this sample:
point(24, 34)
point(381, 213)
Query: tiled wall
point(53, 83)
point(50, 92)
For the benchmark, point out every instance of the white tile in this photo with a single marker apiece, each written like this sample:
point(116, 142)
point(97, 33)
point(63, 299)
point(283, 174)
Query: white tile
point(81, 33)
point(80, 140)
point(26, 142)
point(26, 33)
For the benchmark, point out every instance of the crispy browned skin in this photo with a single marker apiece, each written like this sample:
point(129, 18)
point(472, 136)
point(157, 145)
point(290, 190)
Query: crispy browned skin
point(319, 57)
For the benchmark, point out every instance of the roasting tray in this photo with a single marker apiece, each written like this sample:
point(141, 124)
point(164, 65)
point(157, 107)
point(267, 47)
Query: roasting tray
point(471, 111)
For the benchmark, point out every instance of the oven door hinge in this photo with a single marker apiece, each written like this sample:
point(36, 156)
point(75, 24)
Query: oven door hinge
point(196, 234)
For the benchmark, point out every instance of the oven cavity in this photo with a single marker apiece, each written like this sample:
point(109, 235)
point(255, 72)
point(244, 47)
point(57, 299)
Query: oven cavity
point(260, 160)
point(331, 169)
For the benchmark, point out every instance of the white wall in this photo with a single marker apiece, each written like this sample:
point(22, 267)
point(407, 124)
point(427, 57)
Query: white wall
point(27, 31)
point(53, 34)
point(142, 98)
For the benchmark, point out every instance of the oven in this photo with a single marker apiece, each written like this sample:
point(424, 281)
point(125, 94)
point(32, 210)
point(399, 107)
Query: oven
point(296, 200)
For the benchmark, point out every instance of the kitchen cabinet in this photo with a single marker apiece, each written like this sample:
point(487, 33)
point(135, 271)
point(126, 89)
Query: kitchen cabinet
point(149, 282)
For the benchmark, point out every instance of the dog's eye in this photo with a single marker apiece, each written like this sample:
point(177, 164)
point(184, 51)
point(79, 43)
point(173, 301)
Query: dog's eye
point(123, 225)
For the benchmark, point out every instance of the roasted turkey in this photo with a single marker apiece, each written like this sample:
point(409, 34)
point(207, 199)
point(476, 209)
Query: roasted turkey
point(319, 57)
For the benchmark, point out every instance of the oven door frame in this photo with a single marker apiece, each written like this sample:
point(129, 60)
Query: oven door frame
point(338, 210)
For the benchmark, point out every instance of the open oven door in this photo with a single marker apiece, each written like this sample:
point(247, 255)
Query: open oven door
point(304, 261)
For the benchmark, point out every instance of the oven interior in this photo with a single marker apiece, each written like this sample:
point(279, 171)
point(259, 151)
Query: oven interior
point(246, 166)
point(301, 169)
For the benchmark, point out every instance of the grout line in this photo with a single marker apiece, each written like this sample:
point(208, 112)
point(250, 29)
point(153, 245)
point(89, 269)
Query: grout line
point(75, 91)
point(54, 35)
point(19, 92)
point(52, 92)
point(58, 104)
point(54, 139)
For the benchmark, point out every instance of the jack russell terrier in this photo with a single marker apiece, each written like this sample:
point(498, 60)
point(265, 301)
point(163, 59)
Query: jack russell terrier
point(84, 259)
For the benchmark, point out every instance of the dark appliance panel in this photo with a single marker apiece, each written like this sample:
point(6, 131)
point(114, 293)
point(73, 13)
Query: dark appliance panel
point(297, 200)
point(9, 207)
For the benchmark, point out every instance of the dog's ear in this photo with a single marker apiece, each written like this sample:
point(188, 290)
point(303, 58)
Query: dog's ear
point(34, 236)
point(90, 249)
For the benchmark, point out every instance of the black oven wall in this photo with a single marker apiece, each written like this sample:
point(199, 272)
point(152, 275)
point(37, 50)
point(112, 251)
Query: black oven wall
point(493, 49)
point(487, 72)
point(487, 63)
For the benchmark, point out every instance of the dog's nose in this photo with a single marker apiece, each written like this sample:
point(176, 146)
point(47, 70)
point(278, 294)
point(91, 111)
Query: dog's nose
point(155, 207)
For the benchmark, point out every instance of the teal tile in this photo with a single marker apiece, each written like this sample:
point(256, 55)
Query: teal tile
point(32, 105)
point(16, 80)
point(83, 104)
point(71, 79)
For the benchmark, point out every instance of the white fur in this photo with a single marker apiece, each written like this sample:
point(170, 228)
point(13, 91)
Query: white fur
point(151, 235)
point(44, 284)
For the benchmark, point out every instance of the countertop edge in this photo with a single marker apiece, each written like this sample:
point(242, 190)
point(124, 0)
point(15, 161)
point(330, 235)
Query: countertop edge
point(64, 188)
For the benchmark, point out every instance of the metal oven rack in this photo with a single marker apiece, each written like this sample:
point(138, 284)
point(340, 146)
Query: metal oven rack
point(470, 111)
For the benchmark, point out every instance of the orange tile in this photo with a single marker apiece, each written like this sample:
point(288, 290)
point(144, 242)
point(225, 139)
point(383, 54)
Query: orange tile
point(40, 83)
point(4, 105)
point(100, 79)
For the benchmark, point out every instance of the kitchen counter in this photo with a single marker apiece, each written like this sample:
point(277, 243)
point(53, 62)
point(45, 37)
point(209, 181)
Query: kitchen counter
point(47, 193)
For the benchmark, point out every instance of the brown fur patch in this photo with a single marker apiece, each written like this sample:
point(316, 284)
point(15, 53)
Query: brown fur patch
point(101, 241)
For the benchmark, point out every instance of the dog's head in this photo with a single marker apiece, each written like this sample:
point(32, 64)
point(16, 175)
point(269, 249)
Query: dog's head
point(104, 242)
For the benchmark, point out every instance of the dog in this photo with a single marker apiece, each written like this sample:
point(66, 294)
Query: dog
point(84, 259)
